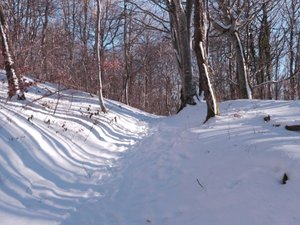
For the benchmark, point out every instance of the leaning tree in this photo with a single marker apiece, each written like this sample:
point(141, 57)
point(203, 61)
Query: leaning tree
point(14, 81)
point(201, 50)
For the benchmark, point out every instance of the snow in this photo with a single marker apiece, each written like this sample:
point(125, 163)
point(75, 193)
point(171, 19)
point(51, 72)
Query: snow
point(128, 167)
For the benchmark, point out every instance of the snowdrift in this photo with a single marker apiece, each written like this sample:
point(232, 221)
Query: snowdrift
point(56, 149)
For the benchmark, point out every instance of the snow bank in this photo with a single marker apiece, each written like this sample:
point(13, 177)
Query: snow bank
point(56, 150)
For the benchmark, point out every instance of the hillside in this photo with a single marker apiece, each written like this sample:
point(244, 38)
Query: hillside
point(63, 162)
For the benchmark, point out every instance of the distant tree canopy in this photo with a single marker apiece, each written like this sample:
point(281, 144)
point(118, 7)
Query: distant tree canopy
point(156, 54)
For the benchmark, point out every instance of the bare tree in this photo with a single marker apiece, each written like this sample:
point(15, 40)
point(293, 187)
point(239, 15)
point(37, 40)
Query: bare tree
point(44, 36)
point(265, 59)
point(180, 19)
point(14, 81)
point(180, 15)
point(98, 28)
point(127, 50)
point(201, 50)
point(228, 21)
point(292, 10)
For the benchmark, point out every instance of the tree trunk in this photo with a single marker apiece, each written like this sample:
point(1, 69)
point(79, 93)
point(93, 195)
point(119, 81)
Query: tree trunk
point(180, 33)
point(253, 59)
point(14, 82)
point(85, 54)
point(127, 49)
point(43, 42)
point(297, 65)
point(229, 24)
point(242, 73)
point(200, 47)
point(291, 52)
point(265, 61)
point(100, 91)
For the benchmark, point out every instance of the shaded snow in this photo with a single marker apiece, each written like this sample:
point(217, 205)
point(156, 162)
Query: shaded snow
point(130, 168)
point(55, 156)
point(225, 172)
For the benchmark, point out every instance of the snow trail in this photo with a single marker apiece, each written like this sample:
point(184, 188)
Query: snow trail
point(225, 172)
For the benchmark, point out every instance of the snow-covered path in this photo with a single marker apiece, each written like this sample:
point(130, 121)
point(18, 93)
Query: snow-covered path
point(225, 172)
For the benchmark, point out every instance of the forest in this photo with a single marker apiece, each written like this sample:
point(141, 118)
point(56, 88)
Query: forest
point(157, 55)
point(149, 112)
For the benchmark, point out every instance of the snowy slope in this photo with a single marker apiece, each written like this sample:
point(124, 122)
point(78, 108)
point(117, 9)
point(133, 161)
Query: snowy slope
point(225, 172)
point(55, 156)
point(131, 168)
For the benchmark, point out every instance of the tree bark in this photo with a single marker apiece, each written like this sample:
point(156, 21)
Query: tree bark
point(292, 21)
point(127, 49)
point(14, 82)
point(229, 25)
point(297, 65)
point(100, 91)
point(200, 47)
point(180, 34)
point(265, 61)
point(242, 73)
point(43, 41)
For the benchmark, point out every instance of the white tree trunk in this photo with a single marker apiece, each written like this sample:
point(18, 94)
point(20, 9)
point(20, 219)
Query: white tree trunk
point(98, 46)
point(245, 89)
point(200, 39)
point(14, 82)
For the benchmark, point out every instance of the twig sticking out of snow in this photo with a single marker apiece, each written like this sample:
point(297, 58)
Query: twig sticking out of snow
point(200, 183)
point(293, 127)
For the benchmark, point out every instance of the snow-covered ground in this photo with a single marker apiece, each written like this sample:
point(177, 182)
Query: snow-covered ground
point(62, 162)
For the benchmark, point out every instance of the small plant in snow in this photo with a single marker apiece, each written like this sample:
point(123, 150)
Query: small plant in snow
point(284, 179)
point(30, 118)
point(267, 118)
